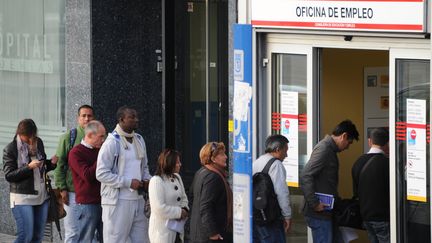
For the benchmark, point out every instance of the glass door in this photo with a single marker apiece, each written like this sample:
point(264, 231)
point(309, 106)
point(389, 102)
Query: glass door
point(410, 140)
point(289, 99)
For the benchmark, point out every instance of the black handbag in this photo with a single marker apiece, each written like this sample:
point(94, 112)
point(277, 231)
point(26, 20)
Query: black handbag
point(347, 211)
point(55, 205)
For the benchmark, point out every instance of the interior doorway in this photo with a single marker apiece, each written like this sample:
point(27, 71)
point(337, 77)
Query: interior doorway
point(354, 85)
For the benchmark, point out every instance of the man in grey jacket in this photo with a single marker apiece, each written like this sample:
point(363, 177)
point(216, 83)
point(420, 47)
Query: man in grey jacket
point(276, 147)
point(320, 175)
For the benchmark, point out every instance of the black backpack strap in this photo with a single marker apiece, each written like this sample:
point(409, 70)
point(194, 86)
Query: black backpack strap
point(72, 137)
point(268, 165)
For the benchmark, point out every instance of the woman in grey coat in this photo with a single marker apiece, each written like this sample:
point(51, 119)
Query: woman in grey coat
point(211, 198)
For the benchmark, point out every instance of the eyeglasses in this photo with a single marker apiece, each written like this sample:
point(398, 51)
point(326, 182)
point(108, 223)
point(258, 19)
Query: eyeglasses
point(213, 148)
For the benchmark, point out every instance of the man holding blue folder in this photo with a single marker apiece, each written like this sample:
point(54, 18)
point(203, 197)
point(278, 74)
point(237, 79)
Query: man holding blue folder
point(320, 175)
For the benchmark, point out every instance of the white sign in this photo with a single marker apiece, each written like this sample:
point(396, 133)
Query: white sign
point(289, 129)
point(242, 97)
point(241, 207)
point(353, 15)
point(416, 150)
point(28, 66)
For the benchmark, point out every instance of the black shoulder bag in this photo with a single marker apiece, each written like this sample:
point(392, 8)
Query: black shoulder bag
point(347, 211)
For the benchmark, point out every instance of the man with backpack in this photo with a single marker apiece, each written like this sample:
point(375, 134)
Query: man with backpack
point(272, 210)
point(122, 169)
point(63, 175)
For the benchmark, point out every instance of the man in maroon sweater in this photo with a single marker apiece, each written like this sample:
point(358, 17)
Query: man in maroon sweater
point(82, 162)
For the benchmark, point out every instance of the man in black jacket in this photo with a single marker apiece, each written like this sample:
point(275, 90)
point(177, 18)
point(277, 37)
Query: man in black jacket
point(320, 175)
point(370, 175)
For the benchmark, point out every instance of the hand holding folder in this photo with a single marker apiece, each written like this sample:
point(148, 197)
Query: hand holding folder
point(326, 199)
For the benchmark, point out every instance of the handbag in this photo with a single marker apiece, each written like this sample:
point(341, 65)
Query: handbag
point(347, 211)
point(55, 205)
point(147, 208)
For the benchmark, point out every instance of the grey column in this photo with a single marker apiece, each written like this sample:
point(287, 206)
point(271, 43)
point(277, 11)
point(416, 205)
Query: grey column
point(78, 57)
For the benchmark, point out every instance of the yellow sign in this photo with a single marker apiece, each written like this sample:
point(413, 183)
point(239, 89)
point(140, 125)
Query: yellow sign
point(230, 126)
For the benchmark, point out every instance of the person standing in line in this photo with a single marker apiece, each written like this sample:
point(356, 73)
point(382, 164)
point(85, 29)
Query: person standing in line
point(25, 166)
point(370, 174)
point(211, 197)
point(168, 199)
point(276, 147)
point(122, 169)
point(321, 175)
point(82, 162)
point(63, 174)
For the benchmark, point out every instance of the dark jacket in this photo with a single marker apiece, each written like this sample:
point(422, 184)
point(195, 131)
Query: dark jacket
point(320, 174)
point(21, 179)
point(208, 207)
point(372, 187)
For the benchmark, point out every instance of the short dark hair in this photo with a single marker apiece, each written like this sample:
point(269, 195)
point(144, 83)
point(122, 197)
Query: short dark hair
point(27, 127)
point(275, 142)
point(379, 136)
point(85, 107)
point(121, 112)
point(167, 162)
point(348, 127)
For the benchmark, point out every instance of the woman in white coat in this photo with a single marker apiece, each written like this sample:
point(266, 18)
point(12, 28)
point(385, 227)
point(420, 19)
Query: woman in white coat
point(168, 200)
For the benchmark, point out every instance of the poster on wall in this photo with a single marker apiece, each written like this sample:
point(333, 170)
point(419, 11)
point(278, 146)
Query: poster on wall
point(376, 100)
point(416, 150)
point(289, 129)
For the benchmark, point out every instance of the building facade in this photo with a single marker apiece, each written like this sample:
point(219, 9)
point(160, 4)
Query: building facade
point(316, 63)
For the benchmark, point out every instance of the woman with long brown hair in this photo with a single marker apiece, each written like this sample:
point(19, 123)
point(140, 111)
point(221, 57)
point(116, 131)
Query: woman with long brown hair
point(25, 165)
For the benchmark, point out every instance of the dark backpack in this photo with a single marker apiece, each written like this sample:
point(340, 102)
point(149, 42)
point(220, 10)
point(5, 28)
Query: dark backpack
point(266, 207)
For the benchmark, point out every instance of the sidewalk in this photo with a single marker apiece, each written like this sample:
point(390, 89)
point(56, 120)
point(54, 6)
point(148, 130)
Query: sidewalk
point(10, 238)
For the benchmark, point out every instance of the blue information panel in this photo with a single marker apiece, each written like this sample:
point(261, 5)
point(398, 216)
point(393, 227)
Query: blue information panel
point(242, 115)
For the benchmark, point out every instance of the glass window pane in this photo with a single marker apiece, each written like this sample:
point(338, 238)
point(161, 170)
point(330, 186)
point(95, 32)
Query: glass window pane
point(289, 109)
point(413, 82)
point(32, 68)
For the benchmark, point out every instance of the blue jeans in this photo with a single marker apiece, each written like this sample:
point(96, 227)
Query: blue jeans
point(378, 231)
point(322, 230)
point(89, 219)
point(30, 221)
point(273, 233)
point(70, 225)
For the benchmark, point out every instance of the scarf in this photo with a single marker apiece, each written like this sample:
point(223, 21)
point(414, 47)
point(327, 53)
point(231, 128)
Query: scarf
point(222, 173)
point(23, 152)
point(139, 151)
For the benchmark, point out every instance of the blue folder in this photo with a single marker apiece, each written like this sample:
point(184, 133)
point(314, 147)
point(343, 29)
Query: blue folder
point(326, 199)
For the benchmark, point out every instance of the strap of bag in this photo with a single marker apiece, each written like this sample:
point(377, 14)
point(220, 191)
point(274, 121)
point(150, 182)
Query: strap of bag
point(355, 195)
point(72, 138)
point(268, 165)
point(365, 166)
point(117, 152)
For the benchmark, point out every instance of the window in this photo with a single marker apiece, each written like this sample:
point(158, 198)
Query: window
point(32, 68)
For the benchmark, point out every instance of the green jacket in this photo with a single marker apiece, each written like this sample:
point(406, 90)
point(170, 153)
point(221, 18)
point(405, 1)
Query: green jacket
point(62, 173)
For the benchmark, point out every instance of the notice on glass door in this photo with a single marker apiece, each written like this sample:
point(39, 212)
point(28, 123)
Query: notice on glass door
point(416, 150)
point(289, 129)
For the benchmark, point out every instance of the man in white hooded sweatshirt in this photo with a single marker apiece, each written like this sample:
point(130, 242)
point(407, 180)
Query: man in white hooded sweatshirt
point(122, 169)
